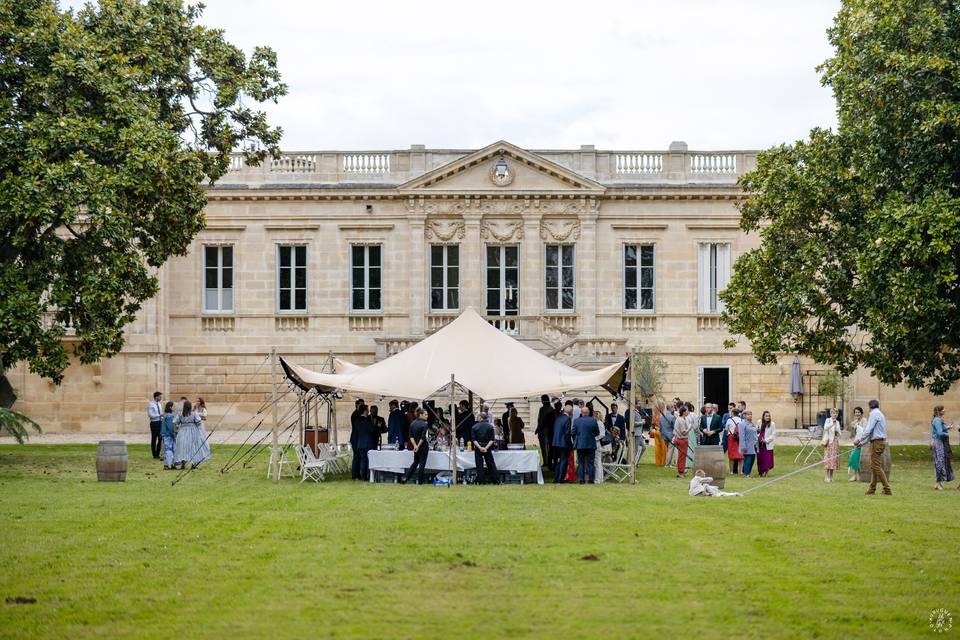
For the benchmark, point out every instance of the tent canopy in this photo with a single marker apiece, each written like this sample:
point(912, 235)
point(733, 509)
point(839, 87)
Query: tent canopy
point(482, 359)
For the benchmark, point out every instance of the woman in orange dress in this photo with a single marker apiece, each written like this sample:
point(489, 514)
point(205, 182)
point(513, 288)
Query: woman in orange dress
point(659, 444)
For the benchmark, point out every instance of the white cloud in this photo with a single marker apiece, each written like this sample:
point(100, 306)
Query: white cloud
point(626, 75)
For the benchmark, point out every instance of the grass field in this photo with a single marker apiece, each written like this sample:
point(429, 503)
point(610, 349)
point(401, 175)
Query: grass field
point(239, 556)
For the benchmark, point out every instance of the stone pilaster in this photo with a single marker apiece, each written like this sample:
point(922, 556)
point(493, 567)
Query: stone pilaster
point(587, 282)
point(416, 260)
point(472, 264)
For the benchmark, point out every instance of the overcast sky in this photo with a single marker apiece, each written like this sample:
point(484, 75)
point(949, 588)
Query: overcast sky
point(620, 75)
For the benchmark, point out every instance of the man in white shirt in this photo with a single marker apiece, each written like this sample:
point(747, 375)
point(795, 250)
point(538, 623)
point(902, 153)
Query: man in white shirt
point(700, 486)
point(154, 413)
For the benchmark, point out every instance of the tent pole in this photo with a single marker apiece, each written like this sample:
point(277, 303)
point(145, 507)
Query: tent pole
point(453, 435)
point(632, 443)
point(332, 428)
point(274, 450)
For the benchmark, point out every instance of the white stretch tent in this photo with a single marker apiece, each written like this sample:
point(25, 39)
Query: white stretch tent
point(480, 357)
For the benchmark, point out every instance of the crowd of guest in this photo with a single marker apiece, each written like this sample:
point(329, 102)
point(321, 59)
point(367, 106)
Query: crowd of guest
point(178, 432)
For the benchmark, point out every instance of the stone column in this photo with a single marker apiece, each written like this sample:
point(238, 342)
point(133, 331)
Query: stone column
point(417, 259)
point(587, 273)
point(531, 271)
point(472, 264)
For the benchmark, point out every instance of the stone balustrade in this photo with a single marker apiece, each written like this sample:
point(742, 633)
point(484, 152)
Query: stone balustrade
point(395, 167)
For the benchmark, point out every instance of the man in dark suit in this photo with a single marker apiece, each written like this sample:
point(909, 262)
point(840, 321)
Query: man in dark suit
point(505, 420)
point(561, 441)
point(361, 441)
point(544, 432)
point(379, 426)
point(418, 442)
point(614, 419)
point(355, 429)
point(483, 441)
point(396, 425)
point(464, 422)
point(585, 433)
point(710, 426)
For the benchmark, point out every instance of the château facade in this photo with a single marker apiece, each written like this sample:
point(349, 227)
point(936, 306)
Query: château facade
point(579, 253)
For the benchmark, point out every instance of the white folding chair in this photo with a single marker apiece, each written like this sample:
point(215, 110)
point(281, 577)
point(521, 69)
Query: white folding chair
point(618, 470)
point(284, 462)
point(310, 466)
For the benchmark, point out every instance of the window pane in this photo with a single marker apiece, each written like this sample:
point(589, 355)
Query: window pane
point(374, 278)
point(453, 299)
point(552, 277)
point(512, 256)
point(493, 256)
point(210, 279)
point(210, 299)
point(493, 302)
point(646, 299)
point(357, 256)
point(374, 298)
point(512, 302)
point(551, 298)
point(357, 301)
point(511, 279)
point(630, 255)
point(284, 256)
point(436, 254)
point(453, 277)
point(436, 276)
point(301, 280)
point(552, 255)
point(226, 280)
point(646, 255)
point(226, 298)
point(285, 299)
point(630, 299)
point(567, 254)
point(436, 298)
point(453, 255)
point(568, 298)
point(374, 255)
point(567, 276)
point(284, 279)
point(301, 255)
point(210, 256)
point(358, 280)
point(646, 278)
point(493, 278)
point(301, 299)
point(630, 278)
point(227, 256)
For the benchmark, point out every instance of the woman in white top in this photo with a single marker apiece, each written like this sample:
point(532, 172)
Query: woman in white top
point(831, 445)
point(766, 435)
point(598, 460)
point(856, 427)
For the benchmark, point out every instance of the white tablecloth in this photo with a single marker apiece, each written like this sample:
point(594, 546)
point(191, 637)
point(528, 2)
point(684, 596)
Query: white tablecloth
point(521, 461)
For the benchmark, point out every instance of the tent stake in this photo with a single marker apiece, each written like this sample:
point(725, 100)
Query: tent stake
point(631, 443)
point(453, 435)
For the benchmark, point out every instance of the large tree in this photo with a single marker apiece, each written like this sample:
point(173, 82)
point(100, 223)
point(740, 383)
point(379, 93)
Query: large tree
point(860, 227)
point(113, 118)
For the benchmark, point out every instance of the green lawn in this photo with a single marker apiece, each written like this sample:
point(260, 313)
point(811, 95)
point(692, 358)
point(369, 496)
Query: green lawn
point(239, 556)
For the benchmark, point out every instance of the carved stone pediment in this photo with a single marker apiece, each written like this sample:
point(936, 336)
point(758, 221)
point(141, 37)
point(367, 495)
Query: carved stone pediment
point(502, 230)
point(560, 229)
point(444, 229)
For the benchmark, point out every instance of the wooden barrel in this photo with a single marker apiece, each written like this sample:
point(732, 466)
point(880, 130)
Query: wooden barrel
point(112, 461)
point(713, 461)
point(865, 462)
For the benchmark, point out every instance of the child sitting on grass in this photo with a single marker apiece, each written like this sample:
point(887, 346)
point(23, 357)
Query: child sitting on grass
point(168, 435)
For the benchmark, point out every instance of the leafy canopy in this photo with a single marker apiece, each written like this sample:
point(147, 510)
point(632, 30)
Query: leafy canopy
point(860, 228)
point(112, 120)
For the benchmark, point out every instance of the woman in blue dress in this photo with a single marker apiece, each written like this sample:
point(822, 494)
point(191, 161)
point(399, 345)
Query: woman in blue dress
point(940, 444)
point(191, 445)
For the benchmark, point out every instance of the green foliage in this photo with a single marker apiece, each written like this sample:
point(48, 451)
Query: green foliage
point(833, 385)
point(15, 424)
point(860, 227)
point(112, 119)
point(650, 371)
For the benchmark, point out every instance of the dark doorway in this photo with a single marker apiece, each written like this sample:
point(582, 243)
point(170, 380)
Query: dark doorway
point(716, 386)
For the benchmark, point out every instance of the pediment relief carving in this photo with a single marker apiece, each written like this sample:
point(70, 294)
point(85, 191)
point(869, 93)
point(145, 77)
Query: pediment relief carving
point(560, 229)
point(502, 230)
point(445, 229)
